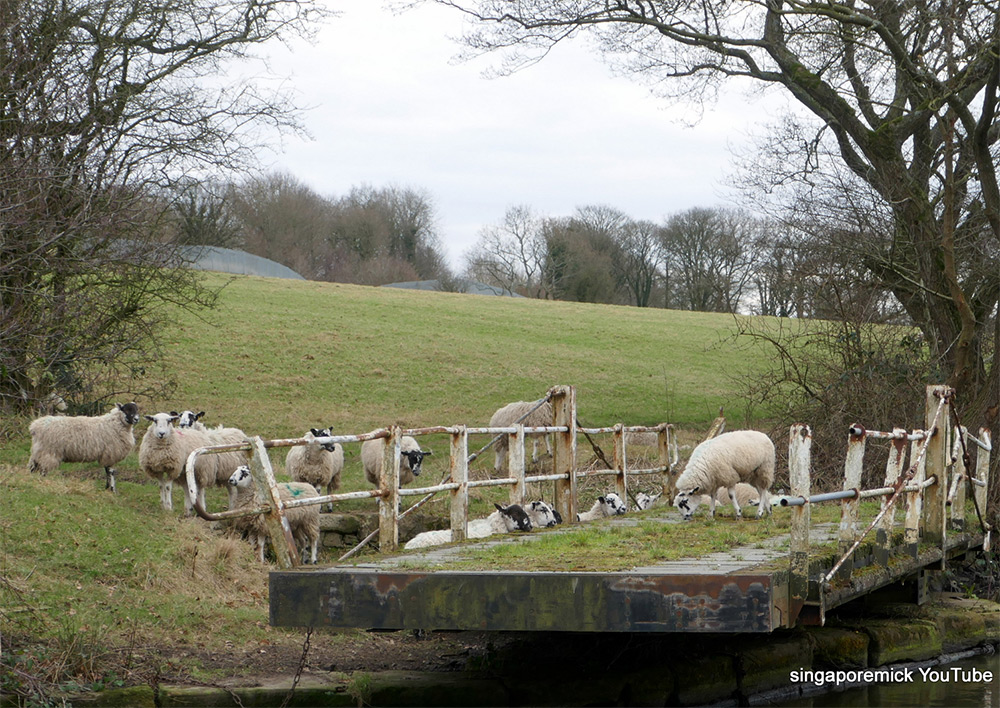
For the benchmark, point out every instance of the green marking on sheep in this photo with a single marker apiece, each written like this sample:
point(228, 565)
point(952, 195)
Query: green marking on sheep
point(294, 491)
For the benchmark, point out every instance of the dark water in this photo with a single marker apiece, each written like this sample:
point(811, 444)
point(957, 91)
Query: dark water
point(960, 684)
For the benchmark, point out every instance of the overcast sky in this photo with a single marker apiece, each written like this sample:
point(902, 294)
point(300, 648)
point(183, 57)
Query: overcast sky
point(390, 105)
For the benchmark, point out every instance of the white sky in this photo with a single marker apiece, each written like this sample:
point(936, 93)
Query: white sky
point(389, 105)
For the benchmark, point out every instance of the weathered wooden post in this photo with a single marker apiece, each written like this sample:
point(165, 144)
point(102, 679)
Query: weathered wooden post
point(564, 450)
point(663, 442)
point(893, 468)
point(388, 508)
point(853, 464)
point(956, 495)
point(982, 478)
point(266, 491)
point(799, 451)
point(933, 521)
point(459, 466)
point(621, 485)
point(515, 464)
point(914, 499)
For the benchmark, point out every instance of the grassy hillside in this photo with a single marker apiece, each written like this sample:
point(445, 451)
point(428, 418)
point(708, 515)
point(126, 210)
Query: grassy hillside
point(84, 574)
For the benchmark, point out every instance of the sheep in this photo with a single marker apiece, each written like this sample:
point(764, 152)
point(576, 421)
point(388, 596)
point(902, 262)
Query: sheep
point(508, 416)
point(303, 520)
point(644, 501)
point(725, 461)
point(225, 462)
point(542, 515)
point(372, 452)
point(506, 519)
point(163, 455)
point(319, 465)
point(608, 505)
point(107, 440)
point(189, 419)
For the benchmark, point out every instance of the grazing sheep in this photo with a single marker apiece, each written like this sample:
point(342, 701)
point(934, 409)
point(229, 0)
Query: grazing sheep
point(319, 465)
point(725, 461)
point(542, 515)
point(372, 452)
point(644, 501)
point(163, 455)
point(303, 520)
point(608, 505)
point(107, 440)
point(505, 519)
point(189, 419)
point(508, 416)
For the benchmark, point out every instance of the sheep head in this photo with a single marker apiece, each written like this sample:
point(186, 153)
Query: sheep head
point(687, 500)
point(515, 518)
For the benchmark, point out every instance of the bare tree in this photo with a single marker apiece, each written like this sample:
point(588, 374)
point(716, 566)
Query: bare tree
point(639, 258)
point(511, 254)
point(104, 103)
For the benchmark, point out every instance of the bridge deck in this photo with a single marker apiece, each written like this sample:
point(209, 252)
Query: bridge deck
point(742, 590)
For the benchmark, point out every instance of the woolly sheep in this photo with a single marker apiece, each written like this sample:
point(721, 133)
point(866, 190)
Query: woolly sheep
point(107, 440)
point(608, 505)
point(303, 520)
point(542, 515)
point(725, 461)
point(508, 416)
point(644, 501)
point(372, 452)
point(163, 455)
point(225, 462)
point(506, 519)
point(319, 465)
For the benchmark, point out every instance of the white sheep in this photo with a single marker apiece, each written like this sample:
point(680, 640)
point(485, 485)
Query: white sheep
point(225, 462)
point(542, 515)
point(644, 501)
point(608, 505)
point(725, 461)
point(372, 452)
point(506, 519)
point(106, 439)
point(508, 416)
point(318, 464)
point(303, 520)
point(163, 454)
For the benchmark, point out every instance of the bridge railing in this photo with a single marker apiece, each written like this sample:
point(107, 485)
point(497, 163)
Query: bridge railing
point(933, 506)
point(456, 481)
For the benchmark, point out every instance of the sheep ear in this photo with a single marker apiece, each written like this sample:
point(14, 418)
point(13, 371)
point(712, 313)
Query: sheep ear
point(148, 417)
point(174, 413)
point(499, 508)
point(427, 452)
point(601, 499)
point(316, 433)
point(695, 490)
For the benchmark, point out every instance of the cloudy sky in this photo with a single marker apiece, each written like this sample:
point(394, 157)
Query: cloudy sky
point(390, 105)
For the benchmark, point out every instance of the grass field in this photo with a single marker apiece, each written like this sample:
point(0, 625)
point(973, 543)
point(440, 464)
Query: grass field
point(85, 573)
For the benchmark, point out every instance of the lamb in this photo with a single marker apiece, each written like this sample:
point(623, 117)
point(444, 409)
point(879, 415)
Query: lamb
point(542, 515)
point(319, 465)
point(505, 519)
point(725, 461)
point(372, 452)
point(608, 505)
point(107, 440)
point(508, 416)
point(644, 501)
point(163, 455)
point(303, 520)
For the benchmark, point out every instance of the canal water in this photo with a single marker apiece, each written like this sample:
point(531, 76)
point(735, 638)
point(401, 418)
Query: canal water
point(969, 683)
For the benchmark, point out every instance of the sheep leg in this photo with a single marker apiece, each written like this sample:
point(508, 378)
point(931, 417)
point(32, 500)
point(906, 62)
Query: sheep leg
point(711, 505)
point(764, 505)
point(736, 504)
point(109, 479)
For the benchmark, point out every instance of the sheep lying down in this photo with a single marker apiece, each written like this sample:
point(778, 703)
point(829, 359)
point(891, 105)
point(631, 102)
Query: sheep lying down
point(506, 519)
point(741, 456)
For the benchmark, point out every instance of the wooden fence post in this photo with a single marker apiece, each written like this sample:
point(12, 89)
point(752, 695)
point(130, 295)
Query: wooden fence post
point(621, 486)
point(935, 495)
point(663, 442)
point(983, 475)
point(853, 464)
point(516, 464)
point(388, 508)
point(285, 552)
point(564, 450)
point(799, 450)
point(893, 468)
point(915, 499)
point(460, 475)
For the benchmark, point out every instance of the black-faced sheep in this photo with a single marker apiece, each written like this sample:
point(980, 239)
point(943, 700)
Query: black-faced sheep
point(506, 519)
point(105, 439)
point(372, 452)
point(302, 520)
point(189, 419)
point(163, 454)
point(608, 505)
point(317, 464)
point(509, 416)
point(725, 461)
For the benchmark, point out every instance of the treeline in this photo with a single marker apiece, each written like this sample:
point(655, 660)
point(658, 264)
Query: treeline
point(704, 259)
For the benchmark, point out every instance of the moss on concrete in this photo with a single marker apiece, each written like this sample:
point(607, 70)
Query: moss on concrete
point(901, 640)
point(835, 648)
point(766, 665)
